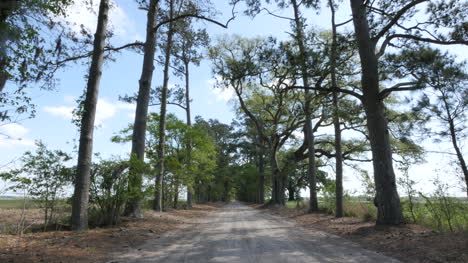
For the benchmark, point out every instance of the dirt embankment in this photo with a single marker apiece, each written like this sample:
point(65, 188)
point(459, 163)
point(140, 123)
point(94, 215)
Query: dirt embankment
point(408, 243)
point(96, 245)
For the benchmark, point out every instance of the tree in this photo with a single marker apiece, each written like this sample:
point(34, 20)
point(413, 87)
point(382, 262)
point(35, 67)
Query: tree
point(368, 34)
point(85, 152)
point(188, 41)
point(308, 127)
point(302, 60)
point(133, 207)
point(448, 101)
point(217, 185)
point(30, 40)
point(253, 69)
point(162, 123)
point(144, 92)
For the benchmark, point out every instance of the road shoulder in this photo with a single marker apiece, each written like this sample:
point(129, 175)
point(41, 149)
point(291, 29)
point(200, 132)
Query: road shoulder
point(409, 243)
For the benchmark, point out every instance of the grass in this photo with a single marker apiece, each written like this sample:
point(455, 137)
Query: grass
point(437, 216)
point(14, 203)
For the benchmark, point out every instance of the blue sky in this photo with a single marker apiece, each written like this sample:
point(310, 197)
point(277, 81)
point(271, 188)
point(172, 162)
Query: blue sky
point(52, 124)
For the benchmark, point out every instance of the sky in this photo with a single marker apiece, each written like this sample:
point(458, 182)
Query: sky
point(53, 126)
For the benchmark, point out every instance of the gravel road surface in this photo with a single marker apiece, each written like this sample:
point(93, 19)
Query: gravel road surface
point(239, 233)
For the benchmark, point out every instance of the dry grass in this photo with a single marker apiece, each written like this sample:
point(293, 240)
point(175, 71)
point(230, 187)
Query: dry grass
point(95, 245)
point(14, 220)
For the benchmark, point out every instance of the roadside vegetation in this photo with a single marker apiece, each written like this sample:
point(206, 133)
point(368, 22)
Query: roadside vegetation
point(360, 97)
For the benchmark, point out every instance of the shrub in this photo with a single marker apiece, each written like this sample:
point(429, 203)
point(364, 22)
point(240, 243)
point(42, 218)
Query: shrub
point(43, 177)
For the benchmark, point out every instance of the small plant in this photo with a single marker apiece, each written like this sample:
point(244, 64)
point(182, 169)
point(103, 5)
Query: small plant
point(408, 187)
point(368, 185)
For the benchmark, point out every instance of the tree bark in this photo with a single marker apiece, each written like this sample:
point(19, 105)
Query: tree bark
point(308, 131)
point(277, 191)
point(83, 172)
point(5, 10)
point(176, 195)
point(133, 207)
point(261, 171)
point(158, 205)
point(189, 123)
point(336, 122)
point(291, 192)
point(387, 201)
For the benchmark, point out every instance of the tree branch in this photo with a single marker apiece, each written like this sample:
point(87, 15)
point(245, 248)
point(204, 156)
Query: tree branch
point(199, 17)
point(327, 90)
point(422, 39)
point(404, 86)
point(275, 15)
point(395, 19)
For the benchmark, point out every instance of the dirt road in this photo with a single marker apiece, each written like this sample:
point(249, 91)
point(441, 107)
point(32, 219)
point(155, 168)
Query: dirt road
point(239, 233)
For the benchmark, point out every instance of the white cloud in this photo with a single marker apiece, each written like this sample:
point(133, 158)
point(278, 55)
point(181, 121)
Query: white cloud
point(221, 93)
point(81, 13)
point(60, 111)
point(13, 134)
point(126, 106)
point(105, 110)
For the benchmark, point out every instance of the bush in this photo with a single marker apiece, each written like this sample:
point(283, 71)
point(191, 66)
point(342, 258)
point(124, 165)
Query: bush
point(442, 212)
point(108, 192)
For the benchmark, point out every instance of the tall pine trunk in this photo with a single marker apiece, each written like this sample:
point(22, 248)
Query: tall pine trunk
point(308, 131)
point(133, 207)
point(387, 201)
point(83, 172)
point(6, 8)
point(336, 121)
point(158, 204)
point(189, 124)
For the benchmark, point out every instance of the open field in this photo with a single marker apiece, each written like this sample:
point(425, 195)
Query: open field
point(14, 203)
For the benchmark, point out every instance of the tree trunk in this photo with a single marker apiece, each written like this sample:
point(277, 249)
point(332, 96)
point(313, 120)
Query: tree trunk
point(291, 192)
point(277, 187)
point(389, 210)
point(83, 172)
point(189, 123)
point(453, 137)
point(336, 122)
point(133, 207)
point(5, 9)
point(308, 131)
point(176, 195)
point(261, 171)
point(158, 205)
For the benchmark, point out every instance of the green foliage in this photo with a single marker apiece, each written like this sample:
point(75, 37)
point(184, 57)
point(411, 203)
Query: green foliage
point(109, 191)
point(245, 181)
point(184, 166)
point(442, 212)
point(31, 43)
